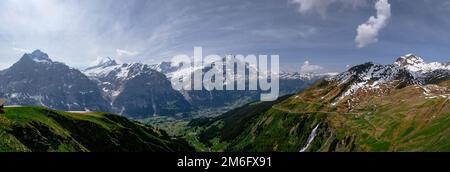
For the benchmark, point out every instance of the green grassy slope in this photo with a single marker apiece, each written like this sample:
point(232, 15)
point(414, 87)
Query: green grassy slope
point(401, 120)
point(37, 129)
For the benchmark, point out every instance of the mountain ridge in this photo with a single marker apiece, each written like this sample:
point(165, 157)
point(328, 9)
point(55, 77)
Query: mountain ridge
point(37, 80)
point(136, 90)
point(200, 99)
point(39, 129)
point(112, 79)
point(346, 113)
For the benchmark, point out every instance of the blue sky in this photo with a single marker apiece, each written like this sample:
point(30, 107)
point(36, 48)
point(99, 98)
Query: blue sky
point(320, 35)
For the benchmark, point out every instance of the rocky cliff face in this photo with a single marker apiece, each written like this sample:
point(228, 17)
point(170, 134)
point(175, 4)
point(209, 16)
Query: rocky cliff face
point(37, 80)
point(137, 91)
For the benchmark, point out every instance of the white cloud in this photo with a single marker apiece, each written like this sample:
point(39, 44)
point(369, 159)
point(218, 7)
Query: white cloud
point(305, 6)
point(321, 6)
point(126, 53)
point(368, 32)
point(308, 67)
point(21, 50)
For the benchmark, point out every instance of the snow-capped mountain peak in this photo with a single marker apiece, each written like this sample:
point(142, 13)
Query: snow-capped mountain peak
point(106, 61)
point(38, 56)
point(102, 63)
point(409, 59)
point(406, 70)
point(416, 64)
point(35, 80)
point(165, 67)
point(108, 67)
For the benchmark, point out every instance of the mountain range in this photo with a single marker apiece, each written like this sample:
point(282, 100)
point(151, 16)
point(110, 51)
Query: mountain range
point(289, 83)
point(134, 90)
point(404, 106)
